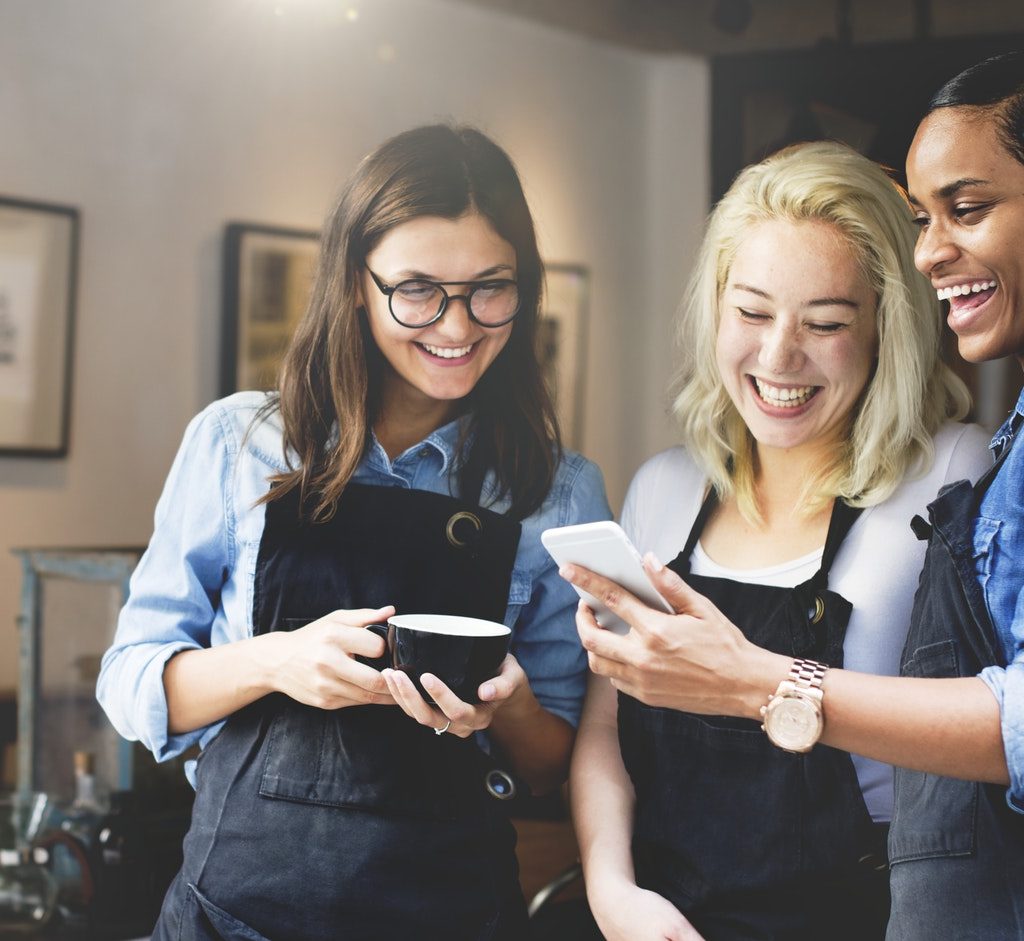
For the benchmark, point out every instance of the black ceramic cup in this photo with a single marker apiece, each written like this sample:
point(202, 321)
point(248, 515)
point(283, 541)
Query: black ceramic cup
point(461, 652)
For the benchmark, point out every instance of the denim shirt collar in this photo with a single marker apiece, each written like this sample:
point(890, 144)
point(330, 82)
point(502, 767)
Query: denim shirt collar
point(444, 440)
point(1009, 428)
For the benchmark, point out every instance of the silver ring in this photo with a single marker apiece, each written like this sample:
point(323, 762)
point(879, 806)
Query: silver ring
point(446, 727)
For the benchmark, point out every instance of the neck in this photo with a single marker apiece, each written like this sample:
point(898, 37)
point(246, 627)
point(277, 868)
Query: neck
point(406, 419)
point(782, 476)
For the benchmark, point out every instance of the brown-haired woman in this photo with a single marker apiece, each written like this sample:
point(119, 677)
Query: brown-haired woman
point(411, 394)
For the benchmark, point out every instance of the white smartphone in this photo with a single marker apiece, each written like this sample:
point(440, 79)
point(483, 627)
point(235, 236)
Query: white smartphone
point(604, 548)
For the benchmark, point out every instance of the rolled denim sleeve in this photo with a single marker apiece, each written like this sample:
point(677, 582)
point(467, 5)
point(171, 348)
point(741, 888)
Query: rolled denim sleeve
point(545, 641)
point(174, 593)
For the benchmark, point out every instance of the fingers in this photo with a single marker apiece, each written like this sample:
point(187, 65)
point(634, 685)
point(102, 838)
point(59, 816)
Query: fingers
point(344, 693)
point(362, 676)
point(359, 617)
point(461, 718)
point(598, 642)
point(466, 719)
point(613, 596)
point(672, 588)
point(411, 702)
point(504, 685)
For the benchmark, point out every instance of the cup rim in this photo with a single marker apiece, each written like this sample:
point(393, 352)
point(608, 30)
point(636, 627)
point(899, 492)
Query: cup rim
point(436, 623)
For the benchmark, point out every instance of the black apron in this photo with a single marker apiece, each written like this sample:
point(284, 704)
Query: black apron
point(957, 849)
point(747, 840)
point(355, 824)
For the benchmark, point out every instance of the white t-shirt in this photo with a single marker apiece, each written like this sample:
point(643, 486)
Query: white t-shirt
point(876, 569)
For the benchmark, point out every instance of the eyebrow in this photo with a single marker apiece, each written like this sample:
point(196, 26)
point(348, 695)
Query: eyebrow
point(951, 189)
point(816, 302)
point(414, 274)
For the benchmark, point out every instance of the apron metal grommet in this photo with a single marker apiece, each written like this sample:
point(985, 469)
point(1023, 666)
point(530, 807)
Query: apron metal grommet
point(819, 610)
point(499, 784)
point(467, 519)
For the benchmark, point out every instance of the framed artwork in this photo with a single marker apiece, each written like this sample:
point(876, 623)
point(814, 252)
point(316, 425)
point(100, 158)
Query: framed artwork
point(561, 338)
point(268, 274)
point(38, 265)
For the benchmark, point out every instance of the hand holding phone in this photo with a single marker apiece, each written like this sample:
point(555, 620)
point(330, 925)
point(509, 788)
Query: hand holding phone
point(605, 549)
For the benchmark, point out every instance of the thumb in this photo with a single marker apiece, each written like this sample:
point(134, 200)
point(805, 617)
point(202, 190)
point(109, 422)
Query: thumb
point(672, 588)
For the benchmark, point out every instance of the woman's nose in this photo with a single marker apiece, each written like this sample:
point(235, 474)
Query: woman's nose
point(934, 248)
point(781, 352)
point(455, 323)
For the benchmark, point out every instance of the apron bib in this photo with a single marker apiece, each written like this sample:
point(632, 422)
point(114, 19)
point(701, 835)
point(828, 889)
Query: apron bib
point(957, 849)
point(355, 824)
point(747, 840)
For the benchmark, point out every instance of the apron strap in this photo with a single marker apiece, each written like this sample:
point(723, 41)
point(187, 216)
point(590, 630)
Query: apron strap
point(706, 509)
point(839, 525)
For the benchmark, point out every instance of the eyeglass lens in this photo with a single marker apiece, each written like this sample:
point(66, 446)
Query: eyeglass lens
point(417, 302)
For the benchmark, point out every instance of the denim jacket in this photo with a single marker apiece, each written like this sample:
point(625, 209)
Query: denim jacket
point(999, 566)
point(193, 587)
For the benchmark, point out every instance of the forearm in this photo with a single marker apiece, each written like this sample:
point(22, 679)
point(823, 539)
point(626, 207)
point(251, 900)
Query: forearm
point(698, 661)
point(536, 742)
point(943, 726)
point(205, 686)
point(601, 792)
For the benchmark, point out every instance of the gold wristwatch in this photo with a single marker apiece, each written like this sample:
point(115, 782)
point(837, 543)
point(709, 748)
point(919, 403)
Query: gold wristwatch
point(793, 717)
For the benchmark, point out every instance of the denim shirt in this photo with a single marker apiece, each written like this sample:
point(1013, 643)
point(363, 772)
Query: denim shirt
point(193, 586)
point(999, 566)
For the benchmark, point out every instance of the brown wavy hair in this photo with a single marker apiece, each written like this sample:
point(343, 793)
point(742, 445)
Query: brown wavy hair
point(329, 394)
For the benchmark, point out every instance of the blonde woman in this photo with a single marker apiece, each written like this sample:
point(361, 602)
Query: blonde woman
point(817, 419)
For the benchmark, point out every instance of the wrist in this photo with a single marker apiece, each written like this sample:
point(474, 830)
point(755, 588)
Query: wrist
point(762, 672)
point(522, 705)
point(609, 886)
point(265, 655)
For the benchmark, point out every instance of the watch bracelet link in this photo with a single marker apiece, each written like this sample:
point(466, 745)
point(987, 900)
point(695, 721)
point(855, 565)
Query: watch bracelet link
point(807, 673)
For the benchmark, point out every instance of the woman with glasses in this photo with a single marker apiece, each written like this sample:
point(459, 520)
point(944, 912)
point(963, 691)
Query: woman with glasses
point(818, 419)
point(408, 462)
point(954, 720)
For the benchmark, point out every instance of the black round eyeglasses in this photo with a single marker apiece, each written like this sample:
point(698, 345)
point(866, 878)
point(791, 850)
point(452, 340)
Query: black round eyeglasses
point(418, 302)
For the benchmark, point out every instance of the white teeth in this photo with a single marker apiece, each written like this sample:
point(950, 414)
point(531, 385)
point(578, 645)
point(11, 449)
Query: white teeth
point(786, 398)
point(959, 290)
point(447, 352)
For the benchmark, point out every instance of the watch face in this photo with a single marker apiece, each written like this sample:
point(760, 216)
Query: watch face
point(792, 722)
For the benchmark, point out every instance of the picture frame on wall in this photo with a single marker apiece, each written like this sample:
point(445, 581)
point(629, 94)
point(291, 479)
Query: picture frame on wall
point(561, 341)
point(38, 271)
point(268, 275)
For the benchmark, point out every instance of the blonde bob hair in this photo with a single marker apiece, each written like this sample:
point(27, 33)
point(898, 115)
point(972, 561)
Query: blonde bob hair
point(911, 392)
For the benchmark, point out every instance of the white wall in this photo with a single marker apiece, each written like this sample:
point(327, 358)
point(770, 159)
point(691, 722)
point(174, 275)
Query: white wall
point(161, 122)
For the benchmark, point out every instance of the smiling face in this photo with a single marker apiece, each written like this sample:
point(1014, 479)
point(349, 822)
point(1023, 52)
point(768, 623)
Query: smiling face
point(431, 368)
point(968, 196)
point(797, 337)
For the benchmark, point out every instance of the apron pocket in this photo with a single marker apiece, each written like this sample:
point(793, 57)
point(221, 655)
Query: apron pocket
point(933, 817)
point(201, 920)
point(937, 660)
point(370, 757)
point(703, 785)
